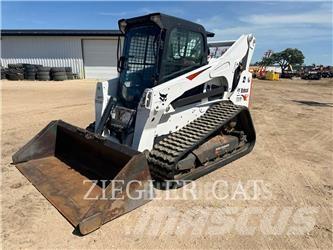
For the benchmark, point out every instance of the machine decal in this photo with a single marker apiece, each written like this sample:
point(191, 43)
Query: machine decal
point(163, 97)
point(243, 90)
point(194, 75)
point(245, 97)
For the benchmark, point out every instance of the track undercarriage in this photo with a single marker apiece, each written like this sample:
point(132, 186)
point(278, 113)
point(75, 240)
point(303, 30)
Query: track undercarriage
point(223, 134)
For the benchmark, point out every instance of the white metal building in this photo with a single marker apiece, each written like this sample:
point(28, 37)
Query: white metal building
point(92, 54)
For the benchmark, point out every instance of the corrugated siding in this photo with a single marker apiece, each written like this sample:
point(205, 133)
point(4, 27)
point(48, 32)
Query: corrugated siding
point(48, 51)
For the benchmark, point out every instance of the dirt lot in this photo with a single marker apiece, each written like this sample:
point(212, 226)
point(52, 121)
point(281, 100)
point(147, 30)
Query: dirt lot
point(292, 160)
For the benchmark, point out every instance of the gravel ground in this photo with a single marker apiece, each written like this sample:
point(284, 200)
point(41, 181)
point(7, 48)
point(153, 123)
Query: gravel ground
point(291, 165)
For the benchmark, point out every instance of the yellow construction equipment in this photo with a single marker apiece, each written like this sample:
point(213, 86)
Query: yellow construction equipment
point(272, 76)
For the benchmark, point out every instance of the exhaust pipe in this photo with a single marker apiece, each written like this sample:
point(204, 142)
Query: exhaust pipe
point(89, 179)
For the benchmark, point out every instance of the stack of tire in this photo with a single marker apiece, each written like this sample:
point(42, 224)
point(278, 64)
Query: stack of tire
point(69, 73)
point(43, 73)
point(3, 72)
point(58, 73)
point(36, 72)
point(30, 71)
point(15, 72)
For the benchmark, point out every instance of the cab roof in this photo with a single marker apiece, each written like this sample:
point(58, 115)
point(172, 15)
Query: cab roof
point(164, 22)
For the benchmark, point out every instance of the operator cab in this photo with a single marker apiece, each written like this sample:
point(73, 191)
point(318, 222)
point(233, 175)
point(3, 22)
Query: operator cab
point(157, 48)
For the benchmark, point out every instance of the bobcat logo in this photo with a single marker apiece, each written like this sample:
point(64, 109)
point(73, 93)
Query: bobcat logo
point(163, 97)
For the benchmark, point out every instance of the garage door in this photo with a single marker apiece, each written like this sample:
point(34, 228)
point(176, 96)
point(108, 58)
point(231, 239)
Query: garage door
point(100, 59)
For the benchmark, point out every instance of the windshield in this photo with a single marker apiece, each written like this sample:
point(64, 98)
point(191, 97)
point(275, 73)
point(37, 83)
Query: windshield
point(184, 52)
point(140, 51)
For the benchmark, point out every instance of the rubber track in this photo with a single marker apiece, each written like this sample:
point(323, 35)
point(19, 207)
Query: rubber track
point(166, 153)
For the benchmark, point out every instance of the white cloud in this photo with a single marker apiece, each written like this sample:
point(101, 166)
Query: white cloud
point(212, 22)
point(280, 30)
point(142, 11)
point(169, 10)
point(314, 17)
point(298, 28)
point(275, 35)
point(113, 13)
point(145, 11)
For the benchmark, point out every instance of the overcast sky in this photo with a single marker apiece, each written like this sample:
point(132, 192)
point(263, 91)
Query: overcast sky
point(276, 25)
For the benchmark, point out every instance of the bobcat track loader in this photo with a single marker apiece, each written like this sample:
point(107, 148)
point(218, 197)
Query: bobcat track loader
point(176, 112)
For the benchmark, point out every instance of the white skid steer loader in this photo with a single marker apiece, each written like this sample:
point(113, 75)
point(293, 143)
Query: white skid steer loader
point(177, 111)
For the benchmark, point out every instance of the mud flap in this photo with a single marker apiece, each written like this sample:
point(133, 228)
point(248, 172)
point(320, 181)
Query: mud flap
point(90, 180)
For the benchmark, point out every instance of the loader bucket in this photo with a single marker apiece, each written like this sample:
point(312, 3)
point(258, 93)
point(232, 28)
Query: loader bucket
point(89, 179)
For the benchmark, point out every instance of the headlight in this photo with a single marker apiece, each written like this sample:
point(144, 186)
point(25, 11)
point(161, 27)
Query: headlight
point(146, 99)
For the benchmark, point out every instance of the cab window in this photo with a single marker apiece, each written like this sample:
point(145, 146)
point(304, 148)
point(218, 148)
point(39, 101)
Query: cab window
point(185, 51)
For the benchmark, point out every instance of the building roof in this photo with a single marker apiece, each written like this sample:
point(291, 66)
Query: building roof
point(53, 32)
point(56, 32)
